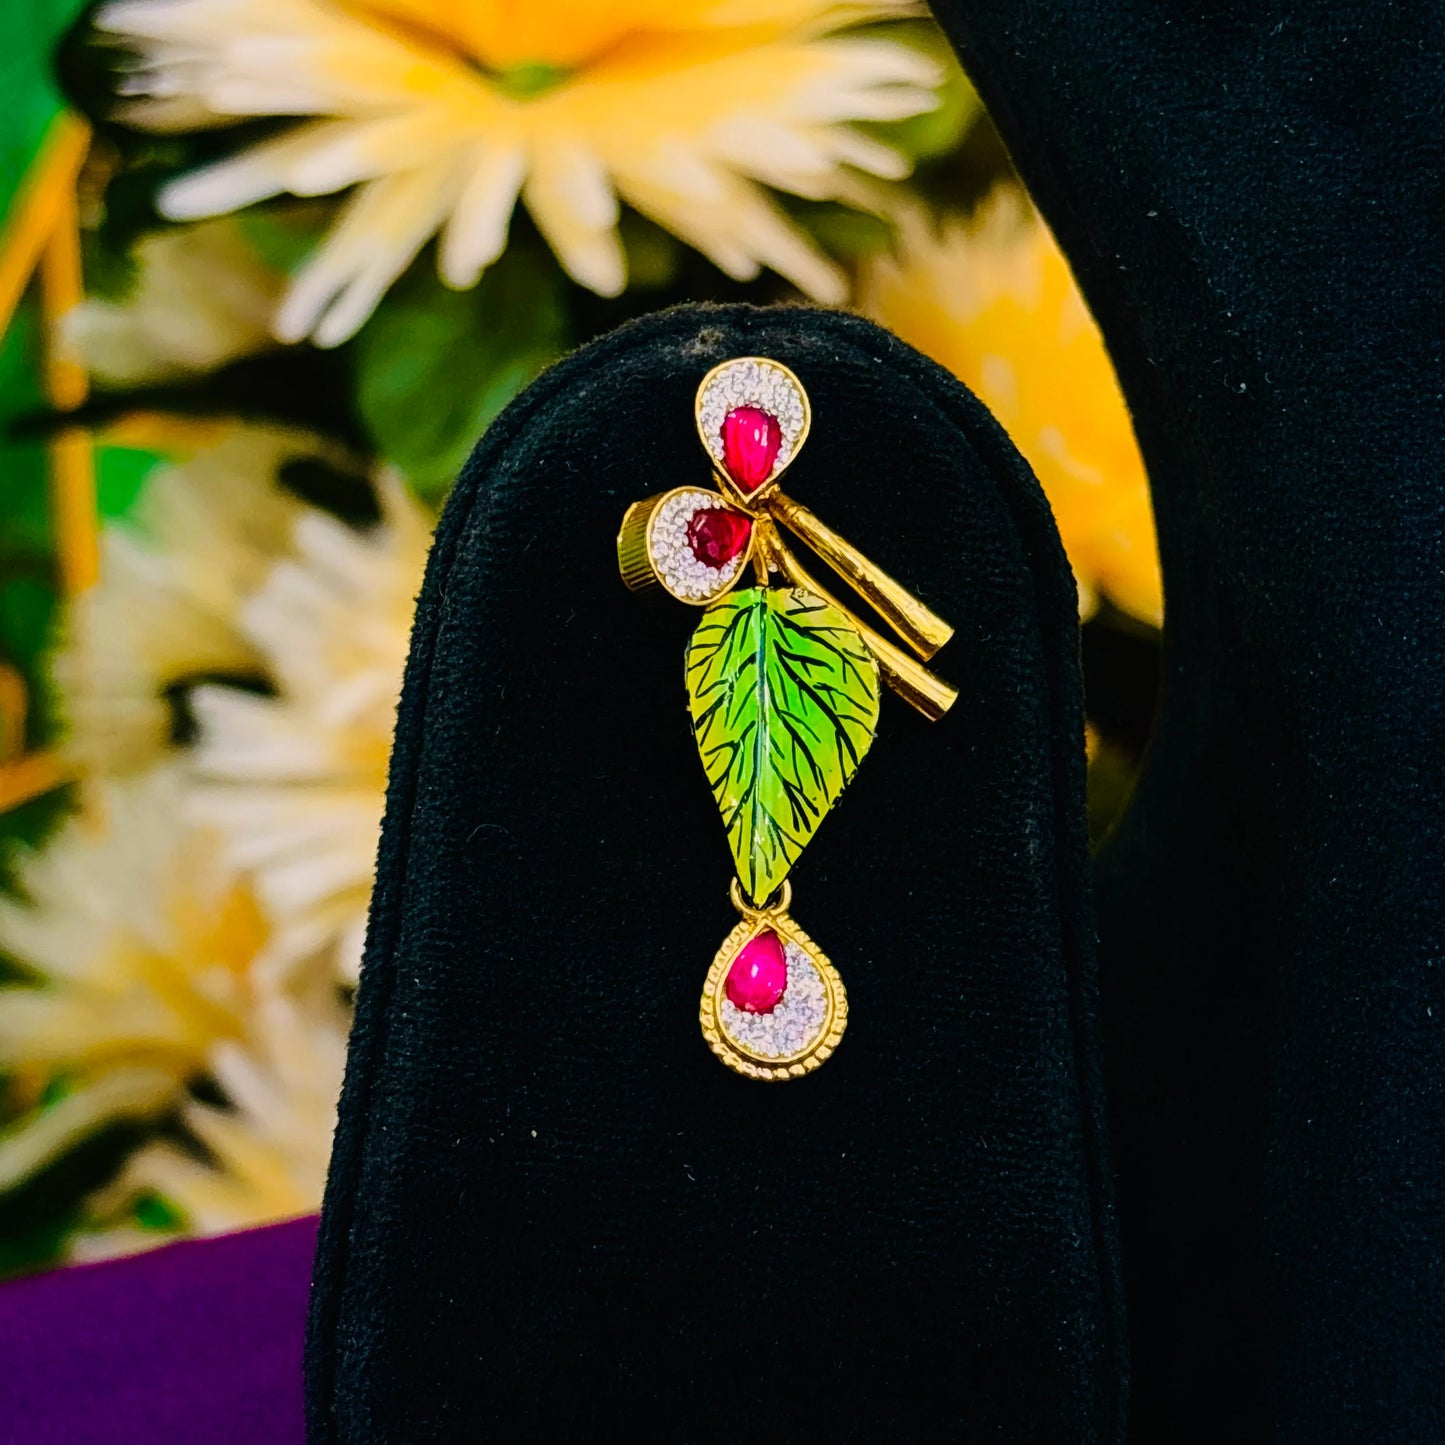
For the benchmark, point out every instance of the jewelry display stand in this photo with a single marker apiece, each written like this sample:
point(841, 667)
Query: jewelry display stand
point(550, 1212)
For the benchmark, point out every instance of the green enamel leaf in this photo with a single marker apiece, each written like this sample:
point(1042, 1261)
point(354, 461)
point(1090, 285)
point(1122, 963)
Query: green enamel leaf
point(784, 698)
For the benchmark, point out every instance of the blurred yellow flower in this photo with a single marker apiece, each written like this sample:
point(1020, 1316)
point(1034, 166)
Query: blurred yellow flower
point(992, 299)
point(295, 782)
point(139, 937)
point(201, 297)
point(263, 1157)
point(441, 115)
point(204, 533)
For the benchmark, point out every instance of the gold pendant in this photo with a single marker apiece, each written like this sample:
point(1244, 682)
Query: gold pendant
point(773, 1006)
point(783, 685)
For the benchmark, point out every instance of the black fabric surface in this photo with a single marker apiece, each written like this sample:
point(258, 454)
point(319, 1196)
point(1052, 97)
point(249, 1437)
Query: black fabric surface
point(1250, 195)
point(550, 1208)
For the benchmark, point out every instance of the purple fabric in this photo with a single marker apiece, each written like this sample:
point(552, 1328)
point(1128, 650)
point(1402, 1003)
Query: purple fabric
point(195, 1344)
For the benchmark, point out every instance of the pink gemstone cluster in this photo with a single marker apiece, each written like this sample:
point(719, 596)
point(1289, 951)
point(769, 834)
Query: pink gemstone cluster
point(751, 438)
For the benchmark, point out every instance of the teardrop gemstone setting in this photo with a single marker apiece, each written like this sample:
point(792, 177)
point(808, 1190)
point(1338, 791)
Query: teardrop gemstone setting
point(753, 417)
point(717, 536)
point(693, 543)
point(773, 1006)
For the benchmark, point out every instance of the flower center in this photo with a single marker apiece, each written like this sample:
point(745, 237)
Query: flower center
point(529, 80)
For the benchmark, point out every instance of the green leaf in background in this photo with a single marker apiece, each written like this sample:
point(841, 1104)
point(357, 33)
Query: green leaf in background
point(844, 232)
point(784, 699)
point(434, 367)
point(653, 255)
point(27, 616)
point(31, 99)
point(24, 497)
point(285, 233)
point(156, 1213)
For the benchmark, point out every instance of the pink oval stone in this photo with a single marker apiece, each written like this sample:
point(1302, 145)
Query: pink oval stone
point(751, 438)
point(759, 975)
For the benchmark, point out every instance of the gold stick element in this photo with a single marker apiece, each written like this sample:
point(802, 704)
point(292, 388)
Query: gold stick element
point(72, 462)
point(924, 631)
point(41, 234)
point(912, 682)
point(40, 205)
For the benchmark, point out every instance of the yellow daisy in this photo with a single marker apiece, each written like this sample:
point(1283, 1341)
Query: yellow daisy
point(261, 1157)
point(139, 938)
point(295, 782)
point(442, 115)
point(993, 300)
point(173, 578)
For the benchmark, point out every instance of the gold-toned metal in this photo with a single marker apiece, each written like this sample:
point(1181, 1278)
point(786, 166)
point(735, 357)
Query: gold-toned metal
point(909, 679)
point(737, 1055)
point(632, 559)
point(753, 502)
point(924, 631)
point(749, 501)
point(751, 910)
point(917, 625)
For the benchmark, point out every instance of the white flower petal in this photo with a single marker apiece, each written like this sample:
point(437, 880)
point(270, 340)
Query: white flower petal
point(127, 1093)
point(853, 148)
point(379, 232)
point(476, 233)
point(265, 1154)
point(757, 100)
point(570, 196)
point(140, 936)
point(252, 175)
point(362, 152)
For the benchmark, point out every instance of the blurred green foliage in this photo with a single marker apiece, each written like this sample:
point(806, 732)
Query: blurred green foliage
point(435, 366)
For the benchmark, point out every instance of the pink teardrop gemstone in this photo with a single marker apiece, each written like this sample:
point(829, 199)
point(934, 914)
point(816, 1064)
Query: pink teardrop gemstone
point(716, 536)
point(759, 975)
point(751, 438)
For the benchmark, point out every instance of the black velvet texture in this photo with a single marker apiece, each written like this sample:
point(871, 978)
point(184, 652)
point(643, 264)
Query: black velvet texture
point(1250, 195)
point(551, 1211)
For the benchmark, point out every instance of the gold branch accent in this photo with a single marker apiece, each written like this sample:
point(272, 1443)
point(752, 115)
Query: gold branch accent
point(924, 631)
point(910, 680)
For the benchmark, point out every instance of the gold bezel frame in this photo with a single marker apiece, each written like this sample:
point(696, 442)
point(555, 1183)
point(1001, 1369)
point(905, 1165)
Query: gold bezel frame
point(748, 501)
point(741, 1059)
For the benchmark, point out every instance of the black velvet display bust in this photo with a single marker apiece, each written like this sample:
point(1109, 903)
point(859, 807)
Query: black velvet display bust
point(551, 1210)
point(1250, 196)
